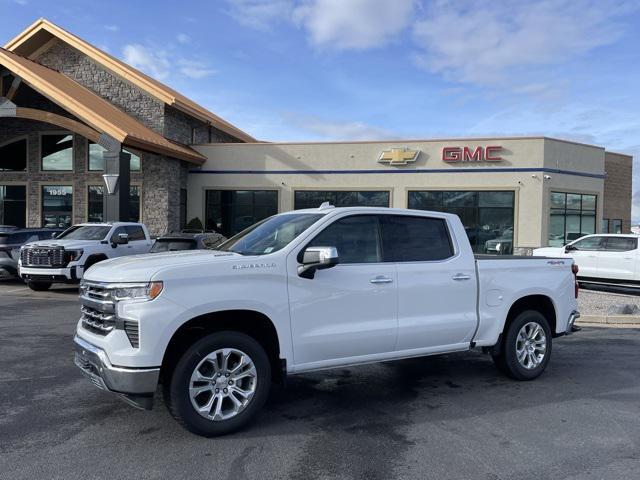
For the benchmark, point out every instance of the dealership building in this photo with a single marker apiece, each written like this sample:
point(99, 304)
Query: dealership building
point(70, 114)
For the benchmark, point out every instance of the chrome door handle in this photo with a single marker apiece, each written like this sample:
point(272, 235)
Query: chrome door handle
point(461, 276)
point(381, 279)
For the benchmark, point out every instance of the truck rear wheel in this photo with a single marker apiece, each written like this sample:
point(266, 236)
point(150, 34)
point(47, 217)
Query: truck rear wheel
point(219, 384)
point(39, 286)
point(526, 346)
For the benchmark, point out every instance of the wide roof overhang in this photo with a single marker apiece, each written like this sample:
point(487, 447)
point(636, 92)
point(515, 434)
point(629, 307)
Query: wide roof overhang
point(93, 110)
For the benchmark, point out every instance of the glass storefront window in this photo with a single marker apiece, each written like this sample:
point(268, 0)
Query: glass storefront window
point(57, 206)
point(231, 211)
point(604, 227)
point(13, 205)
point(338, 198)
point(96, 162)
point(572, 215)
point(95, 206)
point(487, 216)
point(616, 226)
point(13, 156)
point(57, 152)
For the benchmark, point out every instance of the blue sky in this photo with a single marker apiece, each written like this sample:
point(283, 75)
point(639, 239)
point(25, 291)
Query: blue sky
point(374, 69)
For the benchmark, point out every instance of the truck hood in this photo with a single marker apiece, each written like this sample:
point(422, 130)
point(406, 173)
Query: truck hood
point(142, 268)
point(67, 244)
point(549, 252)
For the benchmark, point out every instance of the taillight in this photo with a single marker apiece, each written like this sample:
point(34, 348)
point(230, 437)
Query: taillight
point(574, 270)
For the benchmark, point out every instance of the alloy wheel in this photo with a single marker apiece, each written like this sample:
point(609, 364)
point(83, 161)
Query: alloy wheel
point(531, 345)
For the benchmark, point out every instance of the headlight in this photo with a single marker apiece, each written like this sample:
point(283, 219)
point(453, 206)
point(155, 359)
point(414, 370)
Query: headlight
point(137, 291)
point(73, 255)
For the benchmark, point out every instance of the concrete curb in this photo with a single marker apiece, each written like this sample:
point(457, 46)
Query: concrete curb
point(610, 319)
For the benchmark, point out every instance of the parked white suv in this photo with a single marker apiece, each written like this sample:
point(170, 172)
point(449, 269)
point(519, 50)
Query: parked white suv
point(606, 258)
point(65, 258)
point(309, 290)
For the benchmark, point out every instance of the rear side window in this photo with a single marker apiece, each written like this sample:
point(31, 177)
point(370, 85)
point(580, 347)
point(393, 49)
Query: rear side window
point(135, 232)
point(415, 239)
point(620, 244)
point(356, 238)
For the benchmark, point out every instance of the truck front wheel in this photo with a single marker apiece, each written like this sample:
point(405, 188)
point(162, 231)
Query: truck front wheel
point(526, 347)
point(219, 384)
point(39, 286)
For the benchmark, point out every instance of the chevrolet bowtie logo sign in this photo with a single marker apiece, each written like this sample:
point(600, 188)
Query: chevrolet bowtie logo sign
point(398, 156)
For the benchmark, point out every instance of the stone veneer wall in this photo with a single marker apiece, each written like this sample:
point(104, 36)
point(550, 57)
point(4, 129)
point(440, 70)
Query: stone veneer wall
point(617, 189)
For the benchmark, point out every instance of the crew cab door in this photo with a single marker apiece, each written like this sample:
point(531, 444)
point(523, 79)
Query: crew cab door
point(346, 312)
point(585, 253)
point(138, 241)
point(437, 289)
point(618, 257)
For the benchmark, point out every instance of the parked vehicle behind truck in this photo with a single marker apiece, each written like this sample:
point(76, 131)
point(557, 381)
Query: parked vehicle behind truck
point(310, 290)
point(12, 241)
point(65, 258)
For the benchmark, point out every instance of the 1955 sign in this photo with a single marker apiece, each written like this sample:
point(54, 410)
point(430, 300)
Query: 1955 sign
point(489, 153)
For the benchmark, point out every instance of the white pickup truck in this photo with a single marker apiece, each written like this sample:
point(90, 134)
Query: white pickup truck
point(308, 290)
point(65, 258)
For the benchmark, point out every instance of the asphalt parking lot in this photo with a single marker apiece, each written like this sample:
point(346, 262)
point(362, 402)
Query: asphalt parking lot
point(444, 417)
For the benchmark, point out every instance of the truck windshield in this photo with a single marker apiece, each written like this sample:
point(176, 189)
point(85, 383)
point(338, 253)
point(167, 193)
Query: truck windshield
point(85, 232)
point(270, 235)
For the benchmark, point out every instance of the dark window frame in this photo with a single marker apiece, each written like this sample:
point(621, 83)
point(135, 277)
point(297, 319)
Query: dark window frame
point(16, 203)
point(44, 185)
point(631, 239)
point(571, 211)
point(340, 191)
point(17, 139)
point(41, 156)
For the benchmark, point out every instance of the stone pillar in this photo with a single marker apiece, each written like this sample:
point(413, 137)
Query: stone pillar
point(116, 206)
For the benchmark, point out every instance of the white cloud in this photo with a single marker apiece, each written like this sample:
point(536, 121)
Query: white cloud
point(324, 129)
point(495, 41)
point(112, 28)
point(195, 69)
point(153, 62)
point(260, 14)
point(353, 24)
point(183, 38)
point(162, 64)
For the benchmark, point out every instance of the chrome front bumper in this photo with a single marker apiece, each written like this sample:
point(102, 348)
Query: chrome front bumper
point(575, 315)
point(134, 385)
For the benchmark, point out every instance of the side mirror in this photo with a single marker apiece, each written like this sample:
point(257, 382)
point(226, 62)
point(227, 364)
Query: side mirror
point(121, 239)
point(317, 258)
point(570, 248)
point(54, 235)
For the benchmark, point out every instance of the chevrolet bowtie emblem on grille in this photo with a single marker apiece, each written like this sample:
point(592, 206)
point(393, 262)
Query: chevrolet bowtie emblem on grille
point(398, 156)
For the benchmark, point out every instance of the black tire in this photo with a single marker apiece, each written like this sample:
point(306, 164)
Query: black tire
point(176, 390)
point(92, 261)
point(507, 361)
point(39, 286)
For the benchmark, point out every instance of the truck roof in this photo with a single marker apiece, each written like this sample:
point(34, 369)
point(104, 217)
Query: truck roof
point(105, 224)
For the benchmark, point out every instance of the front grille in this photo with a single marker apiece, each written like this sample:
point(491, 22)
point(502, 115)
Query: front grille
point(99, 313)
point(43, 257)
point(131, 329)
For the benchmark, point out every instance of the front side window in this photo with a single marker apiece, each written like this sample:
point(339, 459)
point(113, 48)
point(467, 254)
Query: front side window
point(57, 152)
point(85, 232)
point(589, 243)
point(232, 211)
point(13, 156)
point(57, 206)
point(13, 205)
point(415, 239)
point(96, 160)
point(620, 244)
point(270, 235)
point(356, 238)
point(339, 198)
point(572, 215)
point(135, 232)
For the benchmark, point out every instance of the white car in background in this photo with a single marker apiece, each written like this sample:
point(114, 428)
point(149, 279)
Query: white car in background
point(604, 258)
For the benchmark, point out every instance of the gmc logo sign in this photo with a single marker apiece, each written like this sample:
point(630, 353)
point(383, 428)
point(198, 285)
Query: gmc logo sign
point(466, 154)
